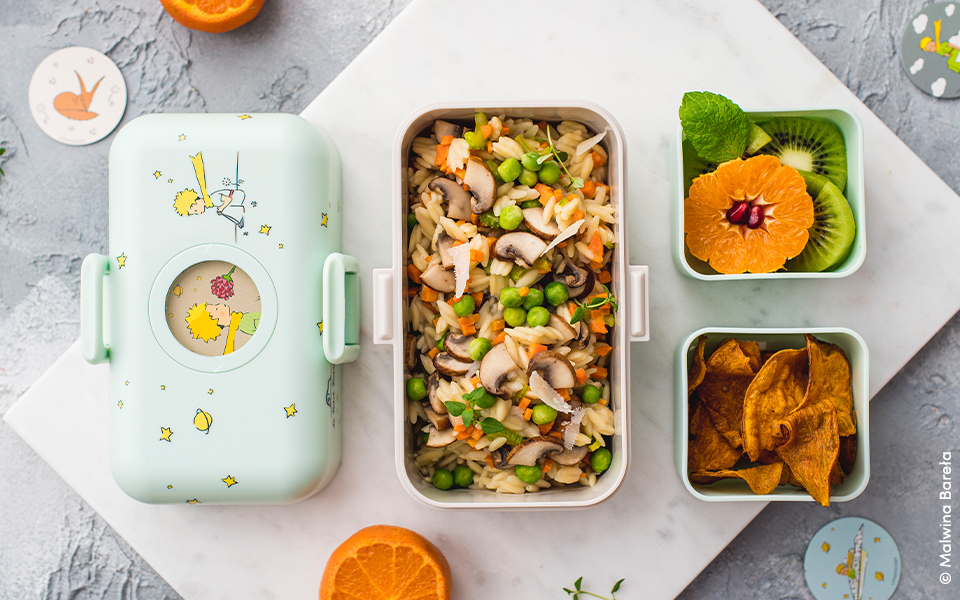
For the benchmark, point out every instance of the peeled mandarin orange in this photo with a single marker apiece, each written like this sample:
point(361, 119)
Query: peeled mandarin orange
point(383, 562)
point(748, 216)
point(212, 16)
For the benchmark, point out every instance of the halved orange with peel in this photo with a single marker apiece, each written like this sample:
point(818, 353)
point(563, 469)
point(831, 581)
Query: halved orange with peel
point(383, 562)
point(212, 16)
point(748, 216)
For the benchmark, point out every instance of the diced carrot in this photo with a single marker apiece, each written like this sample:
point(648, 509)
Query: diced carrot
point(527, 414)
point(459, 223)
point(597, 325)
point(589, 189)
point(600, 374)
point(428, 294)
point(524, 403)
point(486, 130)
point(413, 272)
point(475, 219)
point(523, 291)
point(572, 307)
point(477, 298)
point(547, 464)
point(545, 191)
point(556, 434)
point(603, 402)
point(429, 258)
point(465, 187)
point(598, 159)
point(603, 349)
point(581, 376)
point(472, 442)
point(500, 338)
point(468, 324)
point(498, 325)
point(596, 265)
point(476, 434)
point(564, 394)
point(461, 173)
point(476, 255)
point(442, 151)
point(490, 147)
point(596, 246)
point(446, 140)
point(462, 435)
point(459, 426)
point(433, 352)
point(544, 429)
point(504, 130)
point(489, 460)
point(452, 300)
point(579, 214)
point(562, 245)
point(605, 277)
point(534, 349)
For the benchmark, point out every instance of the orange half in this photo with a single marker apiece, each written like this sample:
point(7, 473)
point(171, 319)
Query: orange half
point(212, 16)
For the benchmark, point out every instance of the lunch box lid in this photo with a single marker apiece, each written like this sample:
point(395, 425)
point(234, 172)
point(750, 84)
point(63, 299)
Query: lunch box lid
point(223, 307)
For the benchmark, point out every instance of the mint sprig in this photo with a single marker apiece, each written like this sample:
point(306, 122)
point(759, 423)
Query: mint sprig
point(577, 591)
point(717, 128)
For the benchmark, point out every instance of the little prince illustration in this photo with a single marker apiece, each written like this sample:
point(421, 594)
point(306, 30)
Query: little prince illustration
point(207, 321)
point(943, 48)
point(188, 202)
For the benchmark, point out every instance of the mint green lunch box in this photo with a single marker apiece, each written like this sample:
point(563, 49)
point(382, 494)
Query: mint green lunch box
point(223, 308)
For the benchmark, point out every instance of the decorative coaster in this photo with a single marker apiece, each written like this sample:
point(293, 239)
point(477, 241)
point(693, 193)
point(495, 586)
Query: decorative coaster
point(930, 47)
point(77, 96)
point(852, 559)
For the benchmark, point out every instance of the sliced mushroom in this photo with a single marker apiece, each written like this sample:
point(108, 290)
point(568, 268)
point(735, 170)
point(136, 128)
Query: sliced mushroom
point(530, 450)
point(500, 455)
point(569, 457)
point(458, 199)
point(482, 185)
point(533, 217)
point(583, 337)
point(439, 439)
point(579, 281)
point(519, 246)
point(409, 351)
point(443, 128)
point(564, 420)
point(497, 369)
point(432, 383)
point(439, 421)
point(554, 368)
point(563, 327)
point(439, 279)
point(444, 243)
point(448, 365)
point(458, 346)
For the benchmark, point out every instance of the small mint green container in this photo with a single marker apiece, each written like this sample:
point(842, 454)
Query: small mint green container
point(223, 308)
point(773, 339)
point(852, 130)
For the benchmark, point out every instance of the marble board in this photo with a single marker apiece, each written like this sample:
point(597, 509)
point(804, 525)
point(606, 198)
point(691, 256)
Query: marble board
point(635, 59)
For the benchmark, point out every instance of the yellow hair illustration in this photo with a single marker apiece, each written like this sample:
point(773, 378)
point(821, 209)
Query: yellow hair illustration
point(184, 201)
point(201, 324)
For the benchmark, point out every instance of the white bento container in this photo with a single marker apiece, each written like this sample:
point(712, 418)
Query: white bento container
point(629, 285)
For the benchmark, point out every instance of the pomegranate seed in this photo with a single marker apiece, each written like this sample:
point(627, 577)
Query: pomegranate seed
point(738, 213)
point(756, 217)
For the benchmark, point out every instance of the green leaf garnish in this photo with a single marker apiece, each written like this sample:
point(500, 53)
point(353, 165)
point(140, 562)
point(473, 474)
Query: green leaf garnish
point(616, 586)
point(575, 182)
point(577, 592)
point(491, 425)
point(467, 417)
point(717, 128)
point(455, 408)
point(474, 395)
point(578, 314)
point(577, 583)
point(593, 304)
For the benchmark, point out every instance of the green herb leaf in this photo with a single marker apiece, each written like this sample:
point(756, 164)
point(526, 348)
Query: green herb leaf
point(578, 314)
point(576, 184)
point(562, 156)
point(474, 395)
point(577, 583)
point(455, 408)
point(491, 425)
point(616, 586)
point(467, 417)
point(568, 591)
point(717, 128)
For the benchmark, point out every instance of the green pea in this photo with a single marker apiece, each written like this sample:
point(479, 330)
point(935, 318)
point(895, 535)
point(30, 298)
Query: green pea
point(529, 161)
point(486, 400)
point(475, 140)
point(600, 460)
point(529, 474)
point(416, 388)
point(543, 414)
point(549, 173)
point(464, 306)
point(590, 394)
point(528, 178)
point(530, 204)
point(443, 479)
point(509, 169)
point(556, 293)
point(510, 297)
point(515, 317)
point(479, 347)
point(488, 219)
point(441, 340)
point(511, 217)
point(534, 298)
point(463, 476)
point(412, 220)
point(538, 316)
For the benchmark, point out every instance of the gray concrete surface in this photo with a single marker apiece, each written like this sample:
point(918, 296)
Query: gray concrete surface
point(53, 212)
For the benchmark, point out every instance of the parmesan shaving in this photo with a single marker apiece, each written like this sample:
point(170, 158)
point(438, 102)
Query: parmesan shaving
point(565, 234)
point(549, 396)
point(587, 144)
point(573, 429)
point(461, 266)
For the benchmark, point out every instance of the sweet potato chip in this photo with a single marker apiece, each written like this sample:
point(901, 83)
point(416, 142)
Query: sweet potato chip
point(708, 450)
point(777, 390)
point(729, 372)
point(762, 479)
point(848, 452)
point(699, 368)
point(812, 447)
point(831, 379)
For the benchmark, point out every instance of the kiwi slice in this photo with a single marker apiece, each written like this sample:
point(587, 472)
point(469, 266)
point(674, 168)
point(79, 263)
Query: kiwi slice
point(808, 145)
point(833, 230)
point(757, 138)
point(694, 166)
